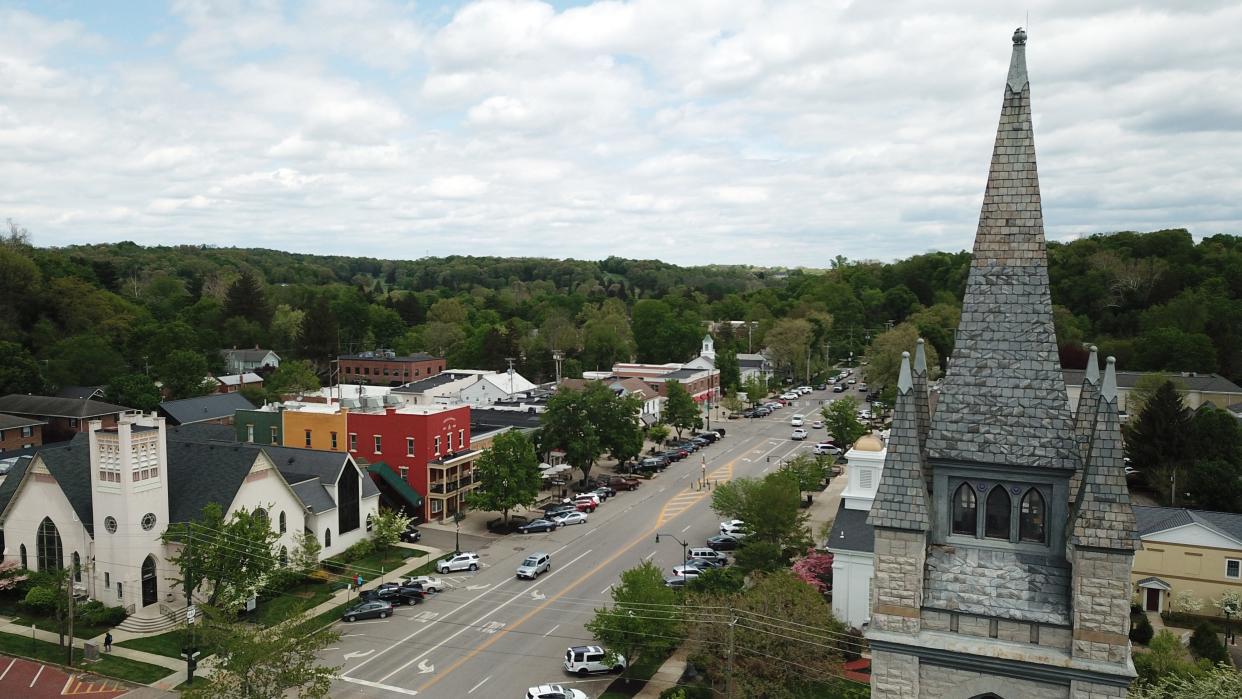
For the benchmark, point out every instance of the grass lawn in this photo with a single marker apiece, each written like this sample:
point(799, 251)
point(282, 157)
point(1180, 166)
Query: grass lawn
point(80, 630)
point(167, 644)
point(291, 602)
point(372, 565)
point(108, 665)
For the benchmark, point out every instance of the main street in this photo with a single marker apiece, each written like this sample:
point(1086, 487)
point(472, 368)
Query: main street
point(493, 635)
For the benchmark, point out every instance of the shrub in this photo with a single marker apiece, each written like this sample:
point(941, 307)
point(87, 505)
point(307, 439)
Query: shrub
point(853, 645)
point(1205, 644)
point(358, 551)
point(96, 613)
point(1141, 631)
point(41, 600)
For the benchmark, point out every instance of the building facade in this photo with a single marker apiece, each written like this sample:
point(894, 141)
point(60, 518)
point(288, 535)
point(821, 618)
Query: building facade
point(1191, 553)
point(1004, 535)
point(240, 361)
point(62, 418)
point(1197, 389)
point(852, 541)
point(703, 384)
point(19, 432)
point(387, 368)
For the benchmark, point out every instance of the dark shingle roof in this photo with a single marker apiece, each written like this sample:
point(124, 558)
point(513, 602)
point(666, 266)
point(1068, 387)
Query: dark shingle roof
point(1004, 400)
point(53, 406)
point(850, 531)
point(246, 355)
point(521, 419)
point(80, 392)
point(313, 495)
point(1085, 417)
point(1207, 383)
point(901, 498)
point(70, 464)
point(1102, 516)
point(1158, 519)
point(213, 407)
point(203, 432)
point(11, 481)
point(200, 473)
point(324, 465)
point(12, 422)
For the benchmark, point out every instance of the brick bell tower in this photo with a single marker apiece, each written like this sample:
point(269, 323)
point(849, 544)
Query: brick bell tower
point(1004, 538)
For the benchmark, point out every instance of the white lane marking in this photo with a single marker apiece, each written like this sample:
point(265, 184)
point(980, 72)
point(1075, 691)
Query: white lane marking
point(683, 531)
point(537, 595)
point(648, 556)
point(490, 628)
point(765, 469)
point(560, 549)
point(68, 681)
point(326, 649)
point(480, 684)
point(549, 631)
point(425, 668)
point(589, 531)
point(606, 589)
point(359, 654)
point(377, 685)
point(36, 677)
point(493, 610)
point(684, 476)
point(6, 670)
point(364, 623)
point(663, 489)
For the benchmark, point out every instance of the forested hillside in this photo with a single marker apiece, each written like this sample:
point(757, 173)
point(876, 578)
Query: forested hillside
point(99, 314)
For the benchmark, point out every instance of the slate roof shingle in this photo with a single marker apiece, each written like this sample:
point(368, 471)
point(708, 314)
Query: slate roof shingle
point(203, 408)
point(53, 406)
point(13, 422)
point(901, 498)
point(850, 531)
point(1102, 516)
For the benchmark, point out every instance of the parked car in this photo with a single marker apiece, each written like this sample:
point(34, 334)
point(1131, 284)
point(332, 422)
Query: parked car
point(553, 511)
point(864, 414)
point(798, 433)
point(823, 449)
point(675, 454)
point(605, 491)
point(458, 561)
point(411, 535)
point(538, 525)
point(534, 565)
point(368, 610)
point(711, 437)
point(821, 387)
point(653, 463)
point(733, 527)
point(707, 563)
point(705, 553)
point(790, 396)
point(701, 441)
point(674, 581)
point(623, 483)
point(838, 388)
point(584, 506)
point(554, 691)
point(427, 582)
point(686, 571)
point(862, 387)
point(588, 496)
point(394, 594)
point(582, 660)
point(569, 518)
point(851, 381)
point(723, 542)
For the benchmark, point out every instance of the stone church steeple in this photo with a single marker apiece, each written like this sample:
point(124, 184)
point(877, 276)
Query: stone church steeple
point(991, 578)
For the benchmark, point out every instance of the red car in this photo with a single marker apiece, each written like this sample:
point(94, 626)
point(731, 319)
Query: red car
point(584, 506)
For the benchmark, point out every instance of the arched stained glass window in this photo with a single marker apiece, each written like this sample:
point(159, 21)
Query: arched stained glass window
point(996, 514)
point(1031, 517)
point(965, 509)
point(48, 548)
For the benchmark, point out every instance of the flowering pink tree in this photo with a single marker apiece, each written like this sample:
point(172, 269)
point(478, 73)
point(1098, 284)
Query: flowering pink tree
point(10, 575)
point(815, 569)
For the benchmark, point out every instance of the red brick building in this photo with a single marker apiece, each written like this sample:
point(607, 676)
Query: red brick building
point(427, 445)
point(386, 368)
point(63, 417)
point(19, 433)
point(702, 384)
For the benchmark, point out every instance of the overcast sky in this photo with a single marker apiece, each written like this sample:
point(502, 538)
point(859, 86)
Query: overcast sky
point(739, 131)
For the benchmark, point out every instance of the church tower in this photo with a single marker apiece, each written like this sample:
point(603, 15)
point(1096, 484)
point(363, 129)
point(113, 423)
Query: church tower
point(708, 350)
point(1004, 538)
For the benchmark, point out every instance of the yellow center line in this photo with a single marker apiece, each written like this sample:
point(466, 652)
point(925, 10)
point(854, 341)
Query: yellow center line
point(646, 536)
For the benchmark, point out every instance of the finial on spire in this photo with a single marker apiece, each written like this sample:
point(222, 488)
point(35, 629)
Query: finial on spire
point(1017, 62)
point(1093, 365)
point(904, 381)
point(1019, 37)
point(1108, 391)
point(920, 357)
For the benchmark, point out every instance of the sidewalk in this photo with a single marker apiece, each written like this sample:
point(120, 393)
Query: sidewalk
point(667, 676)
point(7, 626)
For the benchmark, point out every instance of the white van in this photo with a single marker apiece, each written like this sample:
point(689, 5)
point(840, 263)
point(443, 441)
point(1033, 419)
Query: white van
point(581, 660)
point(796, 420)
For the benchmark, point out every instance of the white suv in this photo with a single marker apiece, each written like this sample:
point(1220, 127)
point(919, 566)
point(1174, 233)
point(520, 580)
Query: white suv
point(797, 420)
point(554, 691)
point(534, 564)
point(460, 561)
point(581, 660)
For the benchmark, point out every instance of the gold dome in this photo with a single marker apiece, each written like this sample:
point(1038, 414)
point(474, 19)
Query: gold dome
point(868, 442)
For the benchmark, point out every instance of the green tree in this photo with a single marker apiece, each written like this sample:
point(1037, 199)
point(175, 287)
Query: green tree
point(318, 338)
point(252, 662)
point(19, 372)
point(1145, 388)
point(224, 559)
point(184, 374)
point(606, 340)
point(809, 471)
point(1220, 682)
point(85, 360)
point(286, 326)
point(789, 341)
point(306, 555)
point(732, 403)
point(730, 369)
point(507, 474)
point(680, 410)
point(841, 420)
point(1205, 644)
point(756, 389)
point(245, 299)
point(1166, 659)
point(135, 391)
point(1155, 442)
point(661, 334)
point(294, 377)
point(771, 509)
point(386, 325)
point(644, 617)
point(658, 432)
point(587, 423)
point(386, 529)
point(884, 356)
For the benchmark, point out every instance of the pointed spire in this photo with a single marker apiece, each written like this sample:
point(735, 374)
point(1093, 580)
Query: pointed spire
point(1103, 517)
point(920, 393)
point(1085, 417)
point(901, 498)
point(1003, 401)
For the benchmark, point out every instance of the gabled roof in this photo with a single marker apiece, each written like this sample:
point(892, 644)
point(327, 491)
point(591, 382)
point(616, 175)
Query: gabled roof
point(51, 406)
point(324, 465)
point(239, 379)
point(1152, 520)
point(636, 386)
point(200, 473)
point(1190, 381)
point(12, 422)
point(80, 392)
point(1003, 400)
point(248, 355)
point(203, 408)
point(9, 485)
point(509, 383)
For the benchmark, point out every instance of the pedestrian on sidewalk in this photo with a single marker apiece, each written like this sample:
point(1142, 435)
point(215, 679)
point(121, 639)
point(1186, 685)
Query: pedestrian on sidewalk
point(108, 642)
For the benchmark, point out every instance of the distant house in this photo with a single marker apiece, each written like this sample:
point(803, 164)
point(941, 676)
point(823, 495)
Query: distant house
point(653, 402)
point(445, 387)
point(217, 408)
point(753, 366)
point(19, 432)
point(383, 367)
point(495, 388)
point(1186, 551)
point(82, 392)
point(1197, 388)
point(232, 383)
point(240, 361)
point(63, 417)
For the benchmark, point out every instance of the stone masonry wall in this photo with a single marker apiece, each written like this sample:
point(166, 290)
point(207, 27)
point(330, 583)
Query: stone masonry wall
point(1091, 690)
point(897, 589)
point(894, 675)
point(1102, 605)
point(952, 683)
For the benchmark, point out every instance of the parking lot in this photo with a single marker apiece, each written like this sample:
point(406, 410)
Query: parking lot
point(27, 679)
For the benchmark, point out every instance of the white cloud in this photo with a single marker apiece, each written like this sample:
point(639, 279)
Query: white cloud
point(751, 131)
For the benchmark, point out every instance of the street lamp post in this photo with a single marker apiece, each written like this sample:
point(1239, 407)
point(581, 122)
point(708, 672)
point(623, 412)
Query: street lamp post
point(457, 518)
point(684, 545)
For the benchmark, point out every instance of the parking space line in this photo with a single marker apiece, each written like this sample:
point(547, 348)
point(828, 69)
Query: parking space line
point(6, 670)
point(37, 674)
point(480, 684)
point(549, 631)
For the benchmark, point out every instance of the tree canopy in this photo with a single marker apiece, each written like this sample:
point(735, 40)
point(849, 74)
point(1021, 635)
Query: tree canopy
point(508, 475)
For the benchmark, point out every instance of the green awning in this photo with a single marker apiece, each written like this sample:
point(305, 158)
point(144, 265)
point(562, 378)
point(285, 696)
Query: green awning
point(398, 485)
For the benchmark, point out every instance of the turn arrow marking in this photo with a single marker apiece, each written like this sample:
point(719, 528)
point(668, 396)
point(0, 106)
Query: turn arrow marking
point(537, 595)
point(478, 587)
point(425, 668)
point(359, 654)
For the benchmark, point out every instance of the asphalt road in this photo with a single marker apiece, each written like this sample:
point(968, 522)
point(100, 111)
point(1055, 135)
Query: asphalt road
point(493, 635)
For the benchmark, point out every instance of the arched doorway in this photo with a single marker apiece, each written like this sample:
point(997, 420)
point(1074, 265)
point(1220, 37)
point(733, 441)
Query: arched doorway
point(150, 593)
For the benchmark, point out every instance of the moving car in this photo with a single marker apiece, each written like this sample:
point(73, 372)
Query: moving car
point(581, 660)
point(554, 691)
point(368, 610)
point(798, 433)
point(538, 525)
point(797, 420)
point(459, 561)
point(571, 518)
point(723, 542)
point(818, 425)
point(427, 582)
point(838, 388)
point(411, 535)
point(534, 565)
point(825, 449)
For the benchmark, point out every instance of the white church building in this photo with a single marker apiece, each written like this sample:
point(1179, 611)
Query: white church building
point(99, 504)
point(852, 540)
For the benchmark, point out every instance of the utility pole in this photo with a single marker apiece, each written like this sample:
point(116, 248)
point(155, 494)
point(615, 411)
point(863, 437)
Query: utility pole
point(510, 361)
point(729, 671)
point(69, 584)
point(558, 356)
point(190, 650)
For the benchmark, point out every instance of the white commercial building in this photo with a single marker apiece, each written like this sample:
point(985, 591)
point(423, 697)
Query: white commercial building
point(852, 540)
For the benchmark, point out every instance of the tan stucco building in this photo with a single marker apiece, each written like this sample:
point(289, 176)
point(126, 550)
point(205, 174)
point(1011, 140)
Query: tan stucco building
point(1190, 551)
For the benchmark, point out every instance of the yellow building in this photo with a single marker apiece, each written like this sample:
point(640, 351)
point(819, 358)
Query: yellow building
point(315, 426)
point(1186, 551)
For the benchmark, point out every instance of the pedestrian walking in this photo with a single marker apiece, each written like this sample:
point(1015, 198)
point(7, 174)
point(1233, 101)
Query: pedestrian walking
point(108, 642)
